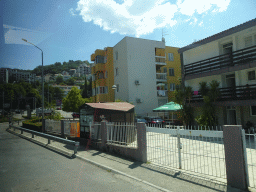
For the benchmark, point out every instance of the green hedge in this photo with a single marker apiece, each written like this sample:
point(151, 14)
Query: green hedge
point(33, 124)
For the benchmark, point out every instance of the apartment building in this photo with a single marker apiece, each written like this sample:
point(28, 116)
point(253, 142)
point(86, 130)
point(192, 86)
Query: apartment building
point(228, 57)
point(65, 88)
point(140, 69)
point(10, 75)
point(83, 69)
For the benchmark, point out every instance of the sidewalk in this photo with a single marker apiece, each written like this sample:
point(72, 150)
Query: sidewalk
point(161, 178)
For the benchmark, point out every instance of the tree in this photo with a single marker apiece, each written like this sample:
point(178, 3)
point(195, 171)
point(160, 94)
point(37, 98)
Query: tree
point(70, 81)
point(74, 100)
point(90, 87)
point(210, 94)
point(59, 79)
point(180, 97)
point(85, 91)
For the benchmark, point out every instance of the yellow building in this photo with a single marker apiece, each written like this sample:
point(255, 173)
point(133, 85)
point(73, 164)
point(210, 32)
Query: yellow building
point(145, 72)
point(103, 75)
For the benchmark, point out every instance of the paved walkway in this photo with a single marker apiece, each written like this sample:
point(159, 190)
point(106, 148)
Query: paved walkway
point(163, 178)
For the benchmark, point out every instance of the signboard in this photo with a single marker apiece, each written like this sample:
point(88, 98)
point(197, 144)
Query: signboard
point(7, 105)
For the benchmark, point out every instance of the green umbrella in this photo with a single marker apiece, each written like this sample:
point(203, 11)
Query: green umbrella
point(171, 106)
point(168, 107)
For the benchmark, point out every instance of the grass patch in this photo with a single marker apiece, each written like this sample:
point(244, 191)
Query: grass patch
point(148, 162)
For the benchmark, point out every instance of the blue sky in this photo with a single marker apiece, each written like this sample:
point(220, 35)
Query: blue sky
point(72, 30)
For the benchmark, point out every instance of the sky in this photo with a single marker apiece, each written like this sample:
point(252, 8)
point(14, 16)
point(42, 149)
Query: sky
point(73, 29)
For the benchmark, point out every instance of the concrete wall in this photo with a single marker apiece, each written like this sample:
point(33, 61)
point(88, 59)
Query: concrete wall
point(136, 61)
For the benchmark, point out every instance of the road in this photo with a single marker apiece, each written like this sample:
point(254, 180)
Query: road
point(26, 166)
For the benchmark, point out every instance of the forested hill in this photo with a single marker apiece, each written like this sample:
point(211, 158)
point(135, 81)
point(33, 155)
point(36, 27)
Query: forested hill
point(58, 67)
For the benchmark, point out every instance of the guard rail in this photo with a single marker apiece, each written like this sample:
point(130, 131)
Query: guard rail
point(49, 137)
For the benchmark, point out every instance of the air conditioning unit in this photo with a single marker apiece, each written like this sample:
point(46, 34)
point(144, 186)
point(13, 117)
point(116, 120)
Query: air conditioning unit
point(138, 100)
point(137, 82)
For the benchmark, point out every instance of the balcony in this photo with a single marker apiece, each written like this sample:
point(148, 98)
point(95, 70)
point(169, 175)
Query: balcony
point(162, 93)
point(232, 93)
point(236, 58)
point(160, 60)
point(161, 77)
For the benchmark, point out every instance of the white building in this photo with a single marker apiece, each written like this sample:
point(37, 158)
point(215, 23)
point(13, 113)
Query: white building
point(228, 57)
point(135, 66)
point(65, 88)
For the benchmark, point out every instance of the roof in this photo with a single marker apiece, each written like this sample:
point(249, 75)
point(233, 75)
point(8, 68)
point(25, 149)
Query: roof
point(118, 106)
point(222, 34)
point(171, 106)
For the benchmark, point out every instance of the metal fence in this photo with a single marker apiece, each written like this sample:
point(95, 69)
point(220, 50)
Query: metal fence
point(250, 156)
point(53, 126)
point(122, 133)
point(193, 149)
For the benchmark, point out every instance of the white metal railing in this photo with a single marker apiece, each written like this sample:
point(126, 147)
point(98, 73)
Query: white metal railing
point(95, 131)
point(193, 149)
point(250, 156)
point(161, 76)
point(122, 133)
point(162, 93)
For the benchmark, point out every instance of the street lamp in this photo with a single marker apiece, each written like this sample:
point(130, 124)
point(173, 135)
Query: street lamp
point(42, 78)
point(114, 88)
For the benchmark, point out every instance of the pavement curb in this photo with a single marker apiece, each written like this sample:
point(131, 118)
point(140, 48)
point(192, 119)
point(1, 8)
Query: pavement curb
point(87, 160)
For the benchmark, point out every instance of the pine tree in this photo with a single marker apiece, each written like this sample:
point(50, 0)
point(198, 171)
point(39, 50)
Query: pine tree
point(85, 90)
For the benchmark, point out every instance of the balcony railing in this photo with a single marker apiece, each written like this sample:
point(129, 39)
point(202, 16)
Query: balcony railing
point(232, 93)
point(239, 57)
point(160, 60)
point(162, 93)
point(161, 76)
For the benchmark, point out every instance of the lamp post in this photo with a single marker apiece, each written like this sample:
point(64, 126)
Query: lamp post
point(42, 78)
point(114, 88)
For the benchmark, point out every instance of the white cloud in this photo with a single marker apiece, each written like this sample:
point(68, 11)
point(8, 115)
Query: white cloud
point(188, 7)
point(139, 17)
point(72, 12)
point(201, 23)
point(131, 17)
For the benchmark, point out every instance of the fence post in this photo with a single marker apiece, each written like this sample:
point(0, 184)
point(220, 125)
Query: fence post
point(142, 142)
point(103, 127)
point(62, 128)
point(234, 156)
point(43, 125)
point(179, 146)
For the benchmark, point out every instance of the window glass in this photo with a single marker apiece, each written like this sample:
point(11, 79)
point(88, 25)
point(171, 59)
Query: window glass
point(251, 75)
point(172, 86)
point(117, 88)
point(116, 55)
point(116, 71)
point(253, 110)
point(165, 70)
point(171, 72)
point(170, 57)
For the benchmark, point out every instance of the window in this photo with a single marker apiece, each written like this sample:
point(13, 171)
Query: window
point(171, 72)
point(93, 92)
point(253, 110)
point(165, 70)
point(172, 86)
point(101, 75)
point(106, 74)
point(116, 54)
point(251, 75)
point(116, 71)
point(117, 88)
point(170, 57)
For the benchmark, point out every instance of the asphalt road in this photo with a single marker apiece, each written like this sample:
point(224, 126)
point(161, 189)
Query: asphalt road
point(26, 166)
